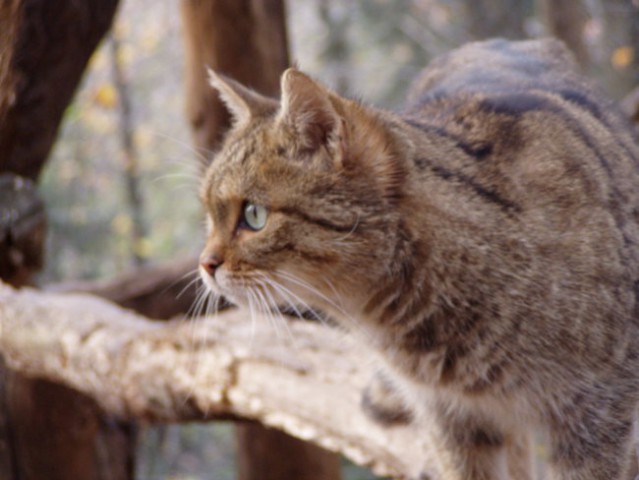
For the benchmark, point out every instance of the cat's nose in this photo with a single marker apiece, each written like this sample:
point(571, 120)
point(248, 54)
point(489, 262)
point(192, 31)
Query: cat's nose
point(210, 262)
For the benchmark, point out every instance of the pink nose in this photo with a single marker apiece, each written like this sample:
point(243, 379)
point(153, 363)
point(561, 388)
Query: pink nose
point(210, 263)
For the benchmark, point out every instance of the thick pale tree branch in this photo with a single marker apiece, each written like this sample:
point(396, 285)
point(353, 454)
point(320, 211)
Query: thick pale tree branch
point(305, 380)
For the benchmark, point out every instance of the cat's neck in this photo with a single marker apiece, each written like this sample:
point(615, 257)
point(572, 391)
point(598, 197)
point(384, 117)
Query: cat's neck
point(436, 238)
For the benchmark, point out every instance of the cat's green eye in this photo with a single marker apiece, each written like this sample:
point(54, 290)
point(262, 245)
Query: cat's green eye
point(254, 216)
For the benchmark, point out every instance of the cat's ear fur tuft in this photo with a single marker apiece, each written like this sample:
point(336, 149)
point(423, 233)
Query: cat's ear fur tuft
point(307, 109)
point(242, 103)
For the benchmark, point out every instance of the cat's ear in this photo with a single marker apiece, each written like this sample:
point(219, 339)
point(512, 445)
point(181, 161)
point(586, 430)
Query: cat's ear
point(307, 109)
point(242, 103)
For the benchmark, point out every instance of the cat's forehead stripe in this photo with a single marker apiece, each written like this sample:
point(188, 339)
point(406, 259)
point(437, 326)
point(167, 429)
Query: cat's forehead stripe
point(244, 151)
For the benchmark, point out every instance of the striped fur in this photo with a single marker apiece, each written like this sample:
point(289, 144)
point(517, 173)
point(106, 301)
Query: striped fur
point(484, 241)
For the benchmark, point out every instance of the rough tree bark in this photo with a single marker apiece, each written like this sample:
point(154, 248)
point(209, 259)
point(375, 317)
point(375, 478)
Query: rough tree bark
point(246, 40)
point(306, 382)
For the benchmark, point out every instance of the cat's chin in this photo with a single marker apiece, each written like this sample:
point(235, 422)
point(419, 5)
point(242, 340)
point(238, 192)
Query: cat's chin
point(214, 289)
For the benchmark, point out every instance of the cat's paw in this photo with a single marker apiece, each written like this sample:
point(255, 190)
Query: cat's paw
point(383, 404)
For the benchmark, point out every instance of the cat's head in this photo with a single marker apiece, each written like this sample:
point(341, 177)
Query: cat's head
point(301, 199)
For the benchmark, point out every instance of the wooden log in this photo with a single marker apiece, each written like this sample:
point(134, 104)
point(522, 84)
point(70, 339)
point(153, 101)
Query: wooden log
point(306, 382)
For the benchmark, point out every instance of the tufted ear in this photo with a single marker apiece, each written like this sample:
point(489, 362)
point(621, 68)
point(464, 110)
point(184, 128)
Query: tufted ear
point(307, 109)
point(242, 103)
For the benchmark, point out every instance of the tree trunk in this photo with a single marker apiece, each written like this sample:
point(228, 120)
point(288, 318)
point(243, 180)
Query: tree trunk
point(10, 18)
point(244, 39)
point(45, 47)
point(566, 20)
point(46, 430)
point(260, 451)
point(492, 18)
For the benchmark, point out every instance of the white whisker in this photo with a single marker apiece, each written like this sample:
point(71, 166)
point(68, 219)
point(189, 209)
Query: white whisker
point(201, 155)
point(251, 299)
point(272, 306)
point(188, 285)
point(350, 323)
point(292, 278)
point(345, 236)
point(292, 300)
point(267, 311)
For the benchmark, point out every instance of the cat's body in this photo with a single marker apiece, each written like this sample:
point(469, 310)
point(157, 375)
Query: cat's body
point(484, 242)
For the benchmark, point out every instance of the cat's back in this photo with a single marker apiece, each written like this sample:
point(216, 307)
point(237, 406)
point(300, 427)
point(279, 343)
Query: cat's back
point(499, 93)
point(531, 136)
point(510, 77)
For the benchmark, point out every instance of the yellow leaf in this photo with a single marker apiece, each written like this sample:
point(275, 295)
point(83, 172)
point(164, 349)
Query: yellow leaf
point(121, 224)
point(622, 57)
point(106, 96)
point(143, 248)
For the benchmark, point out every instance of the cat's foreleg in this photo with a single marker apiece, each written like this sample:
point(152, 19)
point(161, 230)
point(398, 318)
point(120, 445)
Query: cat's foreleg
point(521, 458)
point(474, 448)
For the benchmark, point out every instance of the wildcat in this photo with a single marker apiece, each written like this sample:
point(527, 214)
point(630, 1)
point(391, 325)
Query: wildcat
point(483, 241)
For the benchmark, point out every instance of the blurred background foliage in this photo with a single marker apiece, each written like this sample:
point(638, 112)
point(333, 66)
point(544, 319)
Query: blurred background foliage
point(121, 185)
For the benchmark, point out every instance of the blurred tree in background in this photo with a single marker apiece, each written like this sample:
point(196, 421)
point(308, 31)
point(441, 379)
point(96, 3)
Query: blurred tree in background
point(121, 185)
